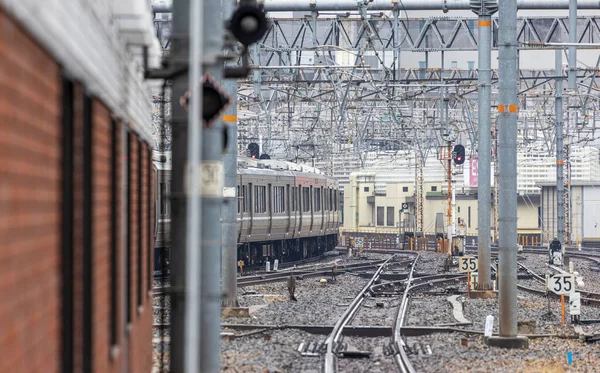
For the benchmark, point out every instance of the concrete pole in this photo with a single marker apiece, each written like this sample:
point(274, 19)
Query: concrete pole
point(192, 189)
point(230, 200)
point(179, 55)
point(212, 199)
point(560, 201)
point(507, 159)
point(484, 9)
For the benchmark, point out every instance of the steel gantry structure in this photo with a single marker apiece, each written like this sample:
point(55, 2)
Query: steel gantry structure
point(327, 85)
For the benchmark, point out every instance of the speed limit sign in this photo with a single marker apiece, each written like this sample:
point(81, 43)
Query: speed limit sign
point(563, 283)
point(467, 264)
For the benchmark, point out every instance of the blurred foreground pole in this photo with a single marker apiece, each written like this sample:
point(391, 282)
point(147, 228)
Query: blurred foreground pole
point(212, 187)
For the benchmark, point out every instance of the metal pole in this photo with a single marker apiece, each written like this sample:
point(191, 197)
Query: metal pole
point(230, 201)
point(192, 189)
point(396, 43)
point(484, 9)
point(507, 158)
point(179, 55)
point(572, 40)
point(212, 197)
point(449, 175)
point(560, 202)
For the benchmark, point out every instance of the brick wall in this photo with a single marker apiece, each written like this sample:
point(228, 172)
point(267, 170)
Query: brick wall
point(31, 222)
point(30, 186)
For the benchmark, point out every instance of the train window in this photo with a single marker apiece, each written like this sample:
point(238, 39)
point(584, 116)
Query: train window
point(293, 199)
point(244, 199)
point(260, 199)
point(239, 200)
point(331, 199)
point(278, 199)
point(318, 199)
point(334, 195)
point(306, 199)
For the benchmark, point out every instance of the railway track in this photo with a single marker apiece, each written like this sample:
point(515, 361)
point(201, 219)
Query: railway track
point(271, 277)
point(330, 363)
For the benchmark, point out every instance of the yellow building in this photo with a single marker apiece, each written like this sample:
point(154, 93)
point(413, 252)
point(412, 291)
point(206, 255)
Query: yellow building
point(373, 209)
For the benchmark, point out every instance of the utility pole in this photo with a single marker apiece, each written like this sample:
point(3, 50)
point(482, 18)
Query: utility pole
point(449, 176)
point(485, 9)
point(230, 200)
point(572, 81)
point(507, 157)
point(212, 191)
point(558, 107)
point(193, 191)
point(181, 336)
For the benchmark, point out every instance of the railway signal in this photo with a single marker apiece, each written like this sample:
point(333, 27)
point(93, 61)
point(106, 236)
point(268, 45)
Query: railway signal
point(253, 150)
point(458, 154)
point(248, 23)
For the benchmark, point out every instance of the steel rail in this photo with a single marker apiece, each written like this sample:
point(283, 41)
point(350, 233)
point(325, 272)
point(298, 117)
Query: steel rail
point(330, 365)
point(401, 358)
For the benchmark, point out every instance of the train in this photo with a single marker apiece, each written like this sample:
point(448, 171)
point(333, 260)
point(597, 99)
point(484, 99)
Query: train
point(285, 211)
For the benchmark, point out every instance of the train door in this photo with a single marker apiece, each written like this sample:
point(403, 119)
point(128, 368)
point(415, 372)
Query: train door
point(289, 209)
point(312, 208)
point(323, 207)
point(300, 207)
point(269, 208)
point(250, 209)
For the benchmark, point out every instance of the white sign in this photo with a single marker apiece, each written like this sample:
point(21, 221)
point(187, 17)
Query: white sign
point(467, 264)
point(359, 241)
point(563, 283)
point(212, 179)
point(557, 258)
point(276, 265)
point(268, 266)
point(489, 326)
point(575, 303)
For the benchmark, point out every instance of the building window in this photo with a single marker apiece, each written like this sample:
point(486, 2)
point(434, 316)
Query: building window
point(88, 224)
point(366, 189)
point(405, 189)
point(454, 64)
point(471, 65)
point(140, 218)
point(113, 233)
point(380, 216)
point(469, 217)
point(390, 216)
point(434, 188)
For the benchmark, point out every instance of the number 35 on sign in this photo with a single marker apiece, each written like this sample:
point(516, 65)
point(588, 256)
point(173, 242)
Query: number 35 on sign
point(562, 283)
point(467, 264)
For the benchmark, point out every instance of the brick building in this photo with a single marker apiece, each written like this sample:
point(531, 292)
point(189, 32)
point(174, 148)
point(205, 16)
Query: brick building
point(76, 188)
